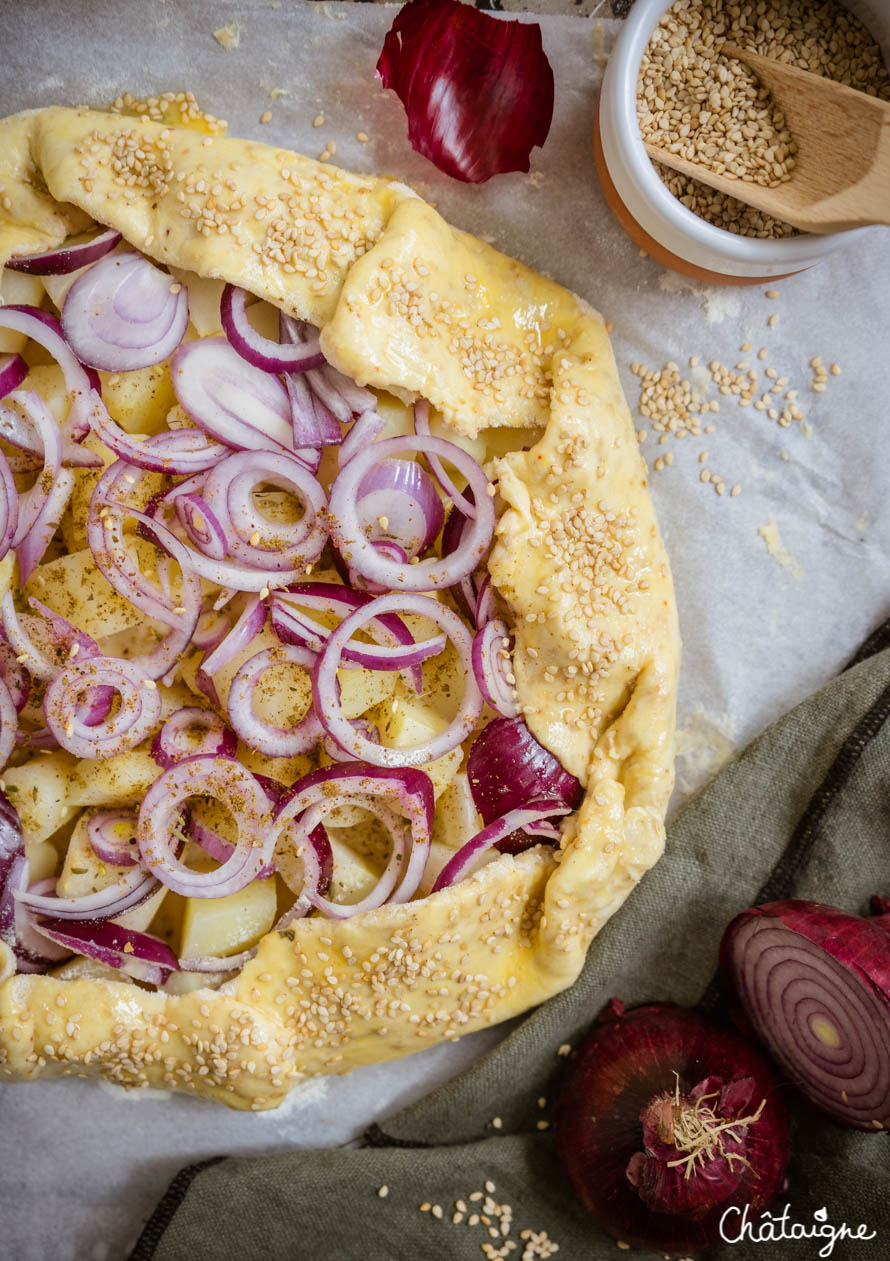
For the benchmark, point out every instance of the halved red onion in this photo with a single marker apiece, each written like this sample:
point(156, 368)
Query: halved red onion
point(507, 768)
point(112, 836)
point(259, 351)
point(464, 860)
point(13, 371)
point(238, 790)
point(251, 537)
point(363, 432)
point(227, 397)
point(357, 550)
point(67, 257)
point(131, 888)
point(493, 667)
point(478, 90)
point(398, 502)
point(327, 700)
point(463, 503)
point(264, 736)
point(814, 982)
point(176, 739)
point(140, 955)
point(358, 783)
point(81, 382)
point(124, 313)
point(138, 711)
point(249, 624)
point(397, 651)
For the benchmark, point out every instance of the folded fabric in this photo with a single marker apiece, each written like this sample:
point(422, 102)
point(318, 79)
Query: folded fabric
point(803, 812)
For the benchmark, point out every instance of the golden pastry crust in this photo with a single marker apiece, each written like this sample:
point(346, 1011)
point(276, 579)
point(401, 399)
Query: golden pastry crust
point(409, 305)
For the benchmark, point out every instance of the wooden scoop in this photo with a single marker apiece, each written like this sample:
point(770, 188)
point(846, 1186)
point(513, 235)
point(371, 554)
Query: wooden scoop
point(842, 176)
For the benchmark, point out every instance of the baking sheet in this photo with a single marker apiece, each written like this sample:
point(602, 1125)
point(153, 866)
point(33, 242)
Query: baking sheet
point(777, 586)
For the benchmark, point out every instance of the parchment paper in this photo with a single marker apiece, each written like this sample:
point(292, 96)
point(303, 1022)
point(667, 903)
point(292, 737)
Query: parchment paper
point(84, 1163)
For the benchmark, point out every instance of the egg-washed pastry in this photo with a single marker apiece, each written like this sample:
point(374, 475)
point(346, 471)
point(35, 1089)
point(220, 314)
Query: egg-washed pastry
point(339, 647)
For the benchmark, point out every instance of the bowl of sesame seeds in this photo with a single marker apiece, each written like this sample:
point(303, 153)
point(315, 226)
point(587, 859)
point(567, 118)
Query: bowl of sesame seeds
point(667, 83)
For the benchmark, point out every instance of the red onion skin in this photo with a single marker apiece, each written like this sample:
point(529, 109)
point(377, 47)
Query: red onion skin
point(507, 768)
point(862, 946)
point(628, 1061)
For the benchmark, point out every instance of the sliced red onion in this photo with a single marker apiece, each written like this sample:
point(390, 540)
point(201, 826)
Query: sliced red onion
point(81, 382)
point(244, 632)
point(463, 862)
point(264, 736)
point(112, 836)
point(358, 783)
point(399, 649)
point(176, 740)
point(41, 507)
point(17, 428)
point(463, 503)
point(37, 661)
point(124, 313)
point(31, 550)
point(369, 731)
point(13, 371)
point(259, 351)
point(9, 724)
point(362, 434)
point(17, 928)
point(64, 635)
point(508, 768)
point(314, 425)
point(138, 712)
point(493, 668)
point(387, 548)
point(13, 673)
point(213, 844)
point(485, 606)
point(427, 575)
point(138, 954)
point(212, 628)
point(478, 91)
point(398, 502)
point(229, 398)
point(233, 785)
point(201, 526)
point(179, 452)
point(9, 505)
point(68, 257)
point(220, 964)
point(251, 538)
point(132, 887)
point(327, 700)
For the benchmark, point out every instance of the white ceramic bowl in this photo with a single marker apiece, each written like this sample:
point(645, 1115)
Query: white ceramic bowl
point(651, 215)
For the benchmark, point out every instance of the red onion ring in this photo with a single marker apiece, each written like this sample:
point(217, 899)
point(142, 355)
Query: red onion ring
point(263, 736)
point(493, 668)
point(9, 506)
point(138, 712)
point(463, 504)
point(398, 503)
point(229, 398)
point(211, 629)
point(13, 371)
point(82, 388)
point(201, 526)
point(458, 867)
point(22, 645)
point(41, 507)
point(314, 425)
point(172, 742)
point(259, 351)
point(485, 605)
point(341, 396)
point(427, 575)
point(17, 428)
point(13, 673)
point(358, 783)
point(362, 433)
point(327, 700)
point(66, 258)
point(239, 791)
point(251, 538)
point(245, 630)
point(180, 452)
point(131, 889)
point(106, 840)
point(124, 313)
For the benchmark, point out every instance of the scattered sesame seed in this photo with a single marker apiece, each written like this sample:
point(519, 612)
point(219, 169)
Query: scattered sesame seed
point(835, 370)
point(496, 1122)
point(266, 116)
point(773, 293)
point(773, 320)
point(318, 120)
point(383, 1191)
point(361, 137)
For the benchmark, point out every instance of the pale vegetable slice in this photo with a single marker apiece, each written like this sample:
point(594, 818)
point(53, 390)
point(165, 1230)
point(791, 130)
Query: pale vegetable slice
point(7, 573)
point(140, 399)
point(355, 875)
point(73, 587)
point(19, 289)
point(441, 854)
point(83, 872)
point(48, 380)
point(43, 860)
point(117, 781)
point(457, 819)
point(225, 926)
point(409, 720)
point(39, 791)
point(74, 521)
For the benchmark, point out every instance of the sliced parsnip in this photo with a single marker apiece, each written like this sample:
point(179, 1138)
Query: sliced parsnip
point(409, 720)
point(457, 819)
point(39, 791)
point(84, 872)
point(225, 926)
point(139, 400)
point(73, 587)
point(354, 876)
point(117, 781)
point(43, 860)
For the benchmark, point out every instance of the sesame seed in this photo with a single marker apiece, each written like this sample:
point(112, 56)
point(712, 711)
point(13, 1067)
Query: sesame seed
point(266, 116)
point(383, 1191)
point(773, 293)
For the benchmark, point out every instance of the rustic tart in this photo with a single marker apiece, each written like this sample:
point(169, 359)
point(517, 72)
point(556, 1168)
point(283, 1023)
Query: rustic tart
point(339, 649)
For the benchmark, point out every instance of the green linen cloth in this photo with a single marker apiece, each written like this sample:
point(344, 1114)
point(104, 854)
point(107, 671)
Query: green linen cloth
point(803, 812)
